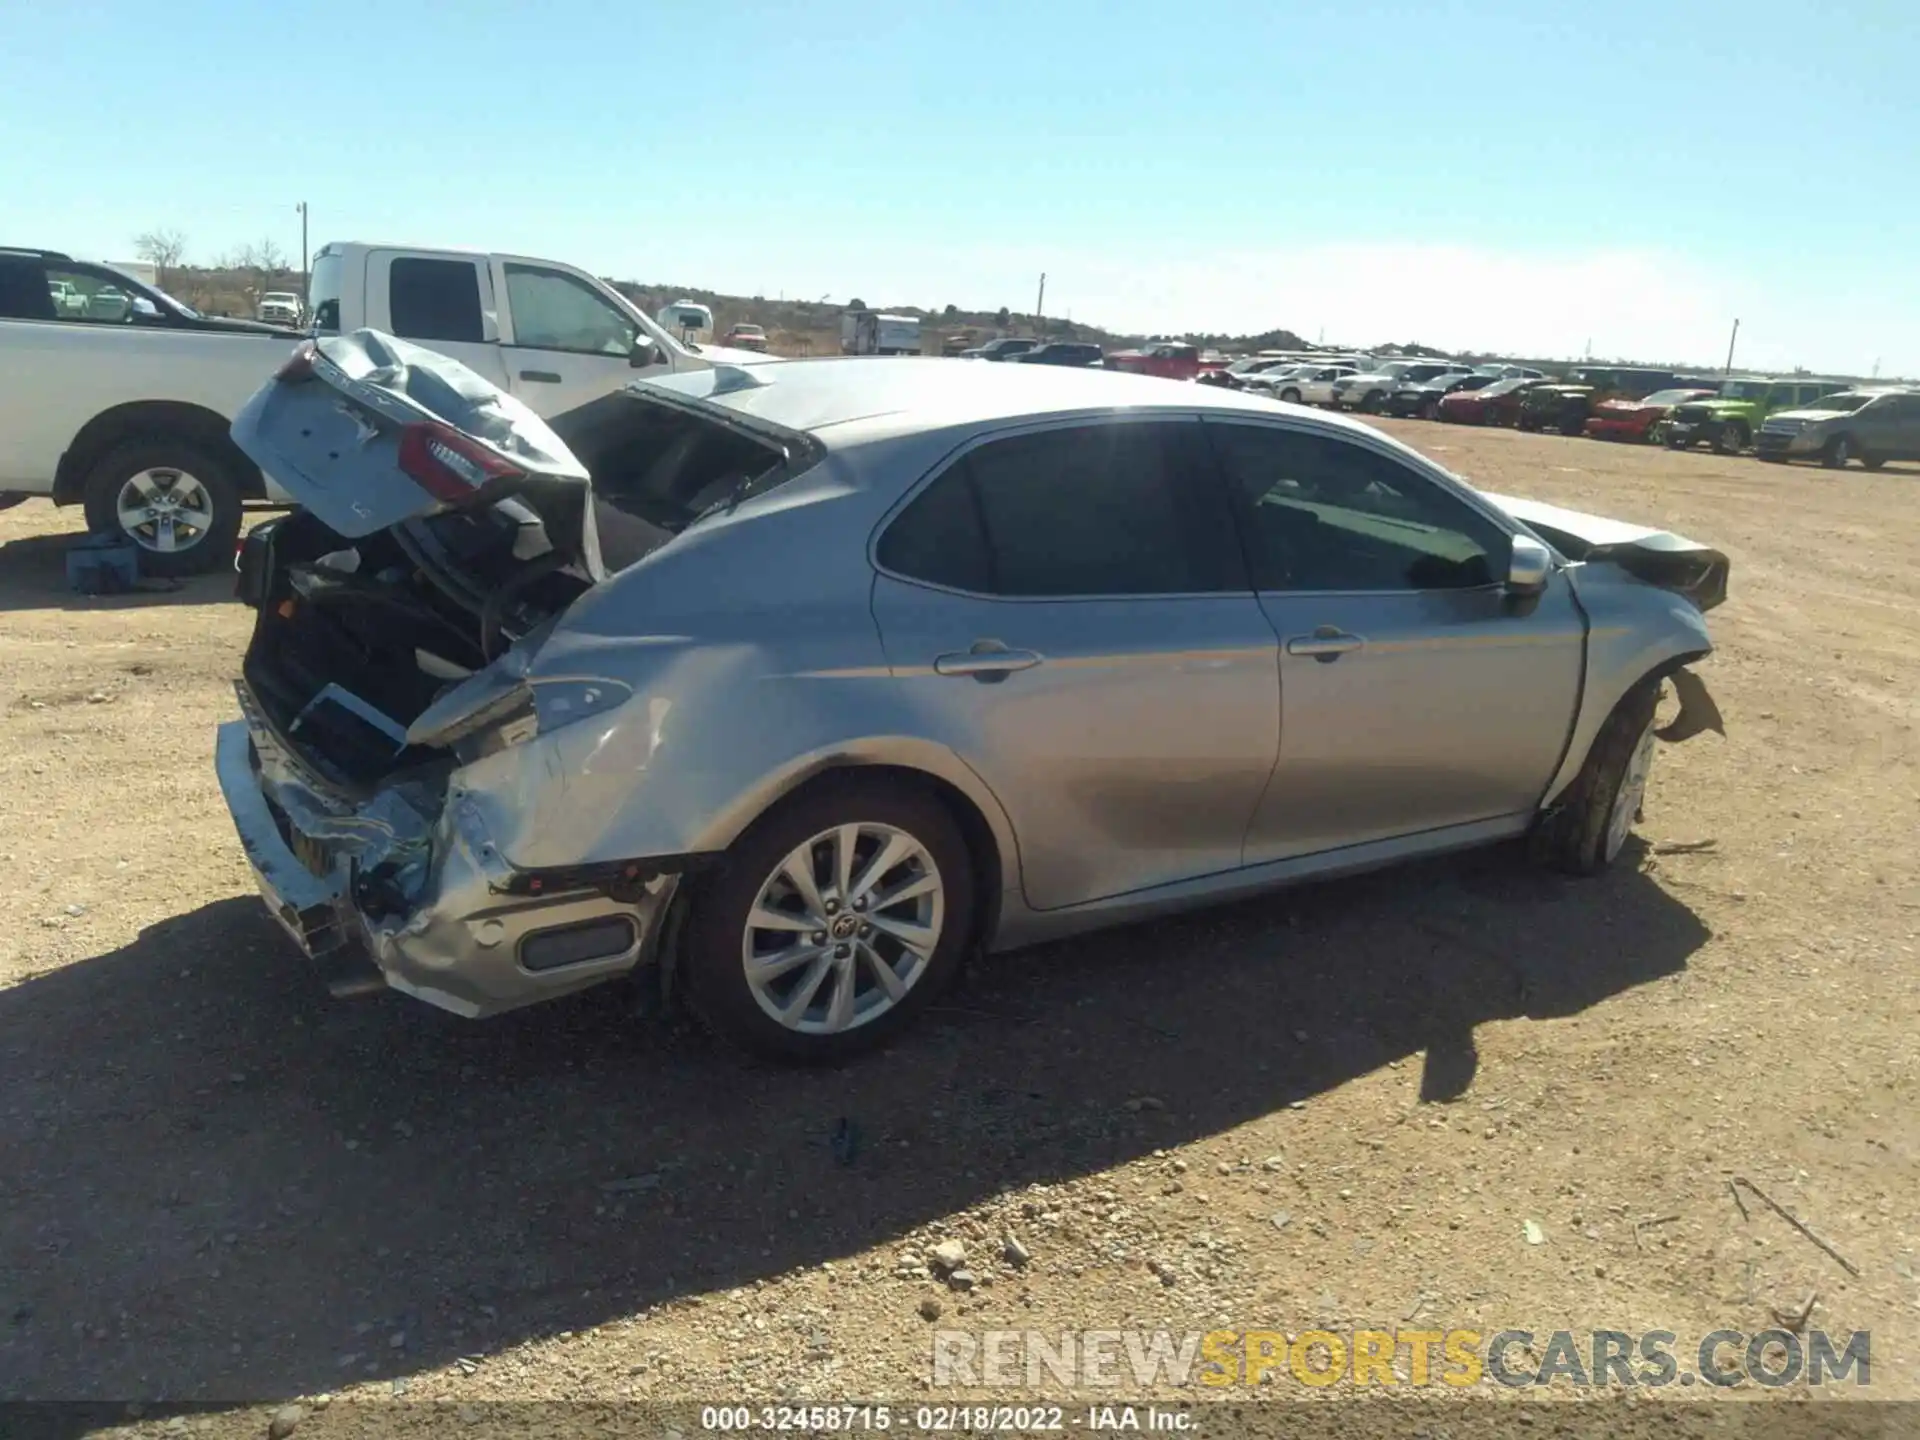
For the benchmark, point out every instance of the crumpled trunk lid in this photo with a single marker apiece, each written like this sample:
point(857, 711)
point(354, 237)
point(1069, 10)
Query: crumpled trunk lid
point(368, 431)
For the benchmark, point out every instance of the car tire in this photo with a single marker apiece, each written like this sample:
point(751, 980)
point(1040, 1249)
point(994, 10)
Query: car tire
point(1572, 424)
point(1585, 831)
point(200, 490)
point(1370, 402)
point(1838, 452)
point(720, 938)
point(1430, 410)
point(1730, 439)
point(1290, 395)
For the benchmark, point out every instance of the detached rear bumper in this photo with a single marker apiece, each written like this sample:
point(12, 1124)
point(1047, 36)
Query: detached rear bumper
point(423, 895)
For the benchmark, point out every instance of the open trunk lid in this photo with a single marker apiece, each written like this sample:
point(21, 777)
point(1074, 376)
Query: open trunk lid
point(367, 431)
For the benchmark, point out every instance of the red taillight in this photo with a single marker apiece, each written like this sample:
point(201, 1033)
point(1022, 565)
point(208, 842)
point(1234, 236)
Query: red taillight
point(448, 465)
point(298, 366)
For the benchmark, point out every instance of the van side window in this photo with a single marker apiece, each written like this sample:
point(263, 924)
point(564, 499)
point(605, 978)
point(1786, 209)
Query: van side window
point(435, 299)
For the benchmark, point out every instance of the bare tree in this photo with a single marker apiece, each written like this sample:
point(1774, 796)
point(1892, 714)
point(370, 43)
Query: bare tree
point(163, 249)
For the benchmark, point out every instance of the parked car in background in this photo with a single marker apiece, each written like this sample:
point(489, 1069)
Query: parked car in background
point(1059, 352)
point(1169, 359)
point(1637, 419)
point(1004, 348)
point(1423, 398)
point(1307, 385)
point(110, 302)
point(1370, 392)
point(993, 728)
point(1495, 404)
point(1565, 405)
point(1871, 426)
point(68, 299)
point(1239, 371)
point(1730, 419)
point(280, 307)
point(746, 336)
point(1509, 372)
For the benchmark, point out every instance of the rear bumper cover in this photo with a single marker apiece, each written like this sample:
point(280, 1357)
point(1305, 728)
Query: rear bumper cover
point(445, 931)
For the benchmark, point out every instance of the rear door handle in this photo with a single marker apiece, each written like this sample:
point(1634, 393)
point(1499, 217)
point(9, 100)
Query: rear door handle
point(985, 662)
point(1326, 644)
point(540, 377)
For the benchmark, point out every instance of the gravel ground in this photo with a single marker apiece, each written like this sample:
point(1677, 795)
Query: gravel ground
point(1452, 1095)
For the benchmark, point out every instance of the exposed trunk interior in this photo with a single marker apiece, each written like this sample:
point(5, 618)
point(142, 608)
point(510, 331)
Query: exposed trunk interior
point(356, 638)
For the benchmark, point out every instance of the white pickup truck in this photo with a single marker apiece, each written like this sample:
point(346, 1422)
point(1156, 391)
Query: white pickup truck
point(129, 416)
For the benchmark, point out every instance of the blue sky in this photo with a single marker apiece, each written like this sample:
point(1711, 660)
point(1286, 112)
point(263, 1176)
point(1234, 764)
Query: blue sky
point(1525, 176)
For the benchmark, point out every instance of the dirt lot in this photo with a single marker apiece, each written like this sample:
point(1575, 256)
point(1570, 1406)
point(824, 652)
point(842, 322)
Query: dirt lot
point(218, 1184)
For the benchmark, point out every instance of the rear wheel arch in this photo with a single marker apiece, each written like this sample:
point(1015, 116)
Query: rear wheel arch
point(983, 845)
point(145, 419)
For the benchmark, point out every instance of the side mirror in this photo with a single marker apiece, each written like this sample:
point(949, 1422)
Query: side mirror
point(644, 353)
point(1528, 567)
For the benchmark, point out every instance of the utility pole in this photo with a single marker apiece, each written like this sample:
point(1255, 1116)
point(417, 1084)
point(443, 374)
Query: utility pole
point(1730, 339)
point(304, 256)
point(1040, 306)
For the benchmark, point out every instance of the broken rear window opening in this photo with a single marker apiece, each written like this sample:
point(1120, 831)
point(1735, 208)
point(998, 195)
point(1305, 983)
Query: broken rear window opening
point(658, 466)
point(356, 638)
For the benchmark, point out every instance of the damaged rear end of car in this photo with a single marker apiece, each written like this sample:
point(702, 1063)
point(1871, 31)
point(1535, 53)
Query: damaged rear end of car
point(404, 668)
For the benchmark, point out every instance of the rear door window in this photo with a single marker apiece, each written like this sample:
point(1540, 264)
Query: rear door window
point(1087, 510)
point(432, 299)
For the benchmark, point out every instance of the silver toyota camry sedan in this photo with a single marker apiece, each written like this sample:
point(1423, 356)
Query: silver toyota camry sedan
point(786, 688)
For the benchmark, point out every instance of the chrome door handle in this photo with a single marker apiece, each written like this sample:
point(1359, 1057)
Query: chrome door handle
point(985, 662)
point(1326, 644)
point(540, 377)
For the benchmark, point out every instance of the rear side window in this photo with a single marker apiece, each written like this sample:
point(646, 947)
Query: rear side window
point(435, 299)
point(1126, 509)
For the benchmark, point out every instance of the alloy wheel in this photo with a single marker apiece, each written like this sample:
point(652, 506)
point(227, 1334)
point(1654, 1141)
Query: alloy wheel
point(164, 510)
point(843, 928)
point(1632, 793)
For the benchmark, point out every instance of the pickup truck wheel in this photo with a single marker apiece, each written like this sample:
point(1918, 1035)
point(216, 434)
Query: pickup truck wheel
point(1839, 450)
point(833, 922)
point(1585, 832)
point(1730, 439)
point(174, 500)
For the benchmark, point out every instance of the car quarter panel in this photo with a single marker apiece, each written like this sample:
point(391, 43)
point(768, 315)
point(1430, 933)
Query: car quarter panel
point(748, 653)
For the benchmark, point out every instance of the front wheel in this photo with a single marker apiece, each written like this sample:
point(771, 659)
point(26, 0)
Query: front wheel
point(1838, 452)
point(1290, 395)
point(173, 499)
point(834, 921)
point(1371, 401)
point(1430, 410)
point(1586, 831)
point(1730, 439)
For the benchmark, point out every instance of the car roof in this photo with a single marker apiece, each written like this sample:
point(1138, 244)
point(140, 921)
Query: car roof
point(857, 398)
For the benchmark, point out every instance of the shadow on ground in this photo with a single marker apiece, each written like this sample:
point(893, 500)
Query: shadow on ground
point(214, 1174)
point(33, 576)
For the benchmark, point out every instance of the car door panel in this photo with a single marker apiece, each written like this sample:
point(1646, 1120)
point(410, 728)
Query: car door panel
point(1450, 708)
point(1131, 740)
point(1129, 754)
point(1415, 694)
point(563, 343)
